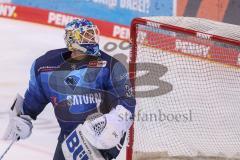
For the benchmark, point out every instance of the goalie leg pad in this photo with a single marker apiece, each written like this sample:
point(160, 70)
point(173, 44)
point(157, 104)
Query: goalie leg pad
point(76, 147)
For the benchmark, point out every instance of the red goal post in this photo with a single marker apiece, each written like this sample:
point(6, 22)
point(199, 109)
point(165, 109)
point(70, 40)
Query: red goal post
point(199, 39)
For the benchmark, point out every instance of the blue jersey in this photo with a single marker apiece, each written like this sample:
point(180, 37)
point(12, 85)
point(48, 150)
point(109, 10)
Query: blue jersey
point(75, 87)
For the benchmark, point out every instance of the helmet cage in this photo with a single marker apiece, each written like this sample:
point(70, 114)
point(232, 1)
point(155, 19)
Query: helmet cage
point(84, 35)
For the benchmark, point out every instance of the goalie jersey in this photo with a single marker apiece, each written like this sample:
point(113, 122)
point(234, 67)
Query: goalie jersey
point(77, 89)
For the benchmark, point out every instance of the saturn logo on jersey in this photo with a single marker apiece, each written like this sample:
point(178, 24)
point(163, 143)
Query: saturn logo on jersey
point(71, 81)
point(83, 103)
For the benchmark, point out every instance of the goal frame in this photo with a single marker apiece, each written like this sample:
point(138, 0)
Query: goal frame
point(133, 56)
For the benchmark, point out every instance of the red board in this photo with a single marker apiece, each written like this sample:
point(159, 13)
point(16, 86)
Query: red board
point(59, 19)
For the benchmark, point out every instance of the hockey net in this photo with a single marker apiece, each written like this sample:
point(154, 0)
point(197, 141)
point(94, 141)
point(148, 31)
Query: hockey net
point(186, 76)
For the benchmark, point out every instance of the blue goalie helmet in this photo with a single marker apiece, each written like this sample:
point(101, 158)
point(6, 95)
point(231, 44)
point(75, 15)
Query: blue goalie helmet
point(82, 35)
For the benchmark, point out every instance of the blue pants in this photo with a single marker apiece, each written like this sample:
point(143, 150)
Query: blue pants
point(108, 154)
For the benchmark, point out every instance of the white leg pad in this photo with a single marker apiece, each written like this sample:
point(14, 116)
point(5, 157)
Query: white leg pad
point(76, 147)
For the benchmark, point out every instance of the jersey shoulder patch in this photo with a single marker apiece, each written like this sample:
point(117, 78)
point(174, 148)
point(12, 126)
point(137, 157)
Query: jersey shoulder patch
point(50, 61)
point(110, 61)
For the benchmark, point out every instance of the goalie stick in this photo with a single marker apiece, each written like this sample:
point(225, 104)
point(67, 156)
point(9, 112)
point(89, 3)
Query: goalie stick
point(8, 148)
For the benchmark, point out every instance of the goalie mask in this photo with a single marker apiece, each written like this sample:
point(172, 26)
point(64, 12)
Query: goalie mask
point(82, 35)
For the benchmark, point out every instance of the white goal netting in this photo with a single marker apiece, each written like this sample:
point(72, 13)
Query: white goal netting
point(187, 89)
